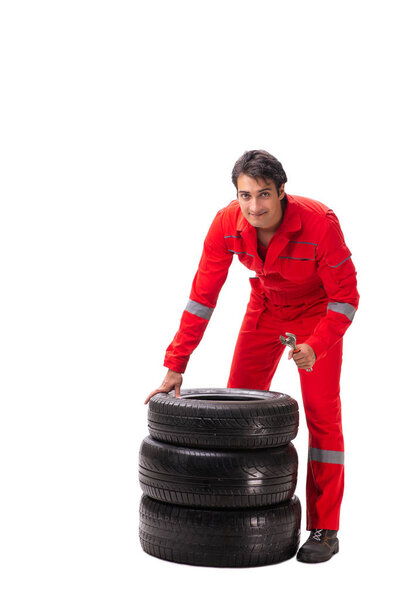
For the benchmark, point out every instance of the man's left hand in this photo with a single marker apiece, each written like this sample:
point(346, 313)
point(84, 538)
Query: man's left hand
point(305, 358)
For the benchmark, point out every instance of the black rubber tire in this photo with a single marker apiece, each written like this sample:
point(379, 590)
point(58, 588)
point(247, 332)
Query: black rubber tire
point(223, 418)
point(220, 538)
point(217, 478)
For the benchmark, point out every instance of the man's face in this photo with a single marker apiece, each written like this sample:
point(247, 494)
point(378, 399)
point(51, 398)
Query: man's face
point(260, 201)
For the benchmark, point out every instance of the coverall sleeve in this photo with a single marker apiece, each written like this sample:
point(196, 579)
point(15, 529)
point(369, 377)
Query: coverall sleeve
point(338, 275)
point(211, 274)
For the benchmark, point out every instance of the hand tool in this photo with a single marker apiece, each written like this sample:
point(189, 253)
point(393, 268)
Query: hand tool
point(290, 341)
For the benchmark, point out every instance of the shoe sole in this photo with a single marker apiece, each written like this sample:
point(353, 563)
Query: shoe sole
point(310, 560)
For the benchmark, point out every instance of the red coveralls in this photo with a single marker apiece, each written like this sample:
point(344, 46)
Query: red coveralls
point(306, 285)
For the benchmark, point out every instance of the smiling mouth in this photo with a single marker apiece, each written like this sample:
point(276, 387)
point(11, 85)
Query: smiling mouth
point(260, 215)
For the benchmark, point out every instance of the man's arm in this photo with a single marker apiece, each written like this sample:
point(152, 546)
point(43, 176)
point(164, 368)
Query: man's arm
point(210, 276)
point(338, 275)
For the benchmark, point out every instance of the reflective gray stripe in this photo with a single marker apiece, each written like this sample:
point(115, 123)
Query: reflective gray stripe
point(338, 265)
point(234, 236)
point(342, 307)
point(295, 258)
point(295, 242)
point(195, 308)
point(243, 252)
point(326, 456)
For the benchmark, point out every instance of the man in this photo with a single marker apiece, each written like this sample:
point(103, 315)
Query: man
point(305, 284)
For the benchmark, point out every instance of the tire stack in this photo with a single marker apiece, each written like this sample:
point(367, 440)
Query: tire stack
point(218, 473)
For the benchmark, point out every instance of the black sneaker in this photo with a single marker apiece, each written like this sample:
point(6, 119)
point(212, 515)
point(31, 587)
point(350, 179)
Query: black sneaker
point(320, 546)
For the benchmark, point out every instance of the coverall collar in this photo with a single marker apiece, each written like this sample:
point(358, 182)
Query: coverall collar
point(291, 219)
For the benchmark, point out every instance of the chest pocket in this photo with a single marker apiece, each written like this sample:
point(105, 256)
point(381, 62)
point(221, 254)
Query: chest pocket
point(297, 261)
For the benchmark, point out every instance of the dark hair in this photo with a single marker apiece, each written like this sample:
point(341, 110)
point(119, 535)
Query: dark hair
point(259, 163)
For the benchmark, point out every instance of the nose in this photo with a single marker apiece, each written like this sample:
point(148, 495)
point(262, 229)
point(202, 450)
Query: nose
point(256, 207)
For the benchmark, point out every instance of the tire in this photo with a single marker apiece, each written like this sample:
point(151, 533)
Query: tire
point(216, 478)
point(223, 418)
point(220, 538)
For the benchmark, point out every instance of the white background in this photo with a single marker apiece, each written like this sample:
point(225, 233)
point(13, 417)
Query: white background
point(120, 125)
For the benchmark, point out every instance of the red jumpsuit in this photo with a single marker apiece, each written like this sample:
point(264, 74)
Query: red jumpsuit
point(306, 285)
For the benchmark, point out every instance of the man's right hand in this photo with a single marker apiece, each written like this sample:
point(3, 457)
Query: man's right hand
point(173, 380)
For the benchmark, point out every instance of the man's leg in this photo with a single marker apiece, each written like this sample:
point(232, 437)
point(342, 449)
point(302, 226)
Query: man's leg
point(257, 352)
point(325, 469)
point(256, 357)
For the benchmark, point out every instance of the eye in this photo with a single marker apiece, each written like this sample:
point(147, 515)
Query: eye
point(265, 194)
